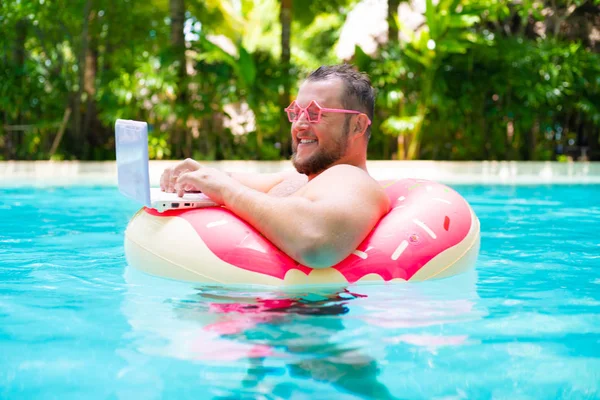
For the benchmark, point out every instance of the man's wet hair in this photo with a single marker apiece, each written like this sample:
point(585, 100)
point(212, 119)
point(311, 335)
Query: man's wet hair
point(358, 93)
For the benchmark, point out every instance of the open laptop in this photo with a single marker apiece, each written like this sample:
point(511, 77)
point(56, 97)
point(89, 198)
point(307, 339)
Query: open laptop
point(131, 142)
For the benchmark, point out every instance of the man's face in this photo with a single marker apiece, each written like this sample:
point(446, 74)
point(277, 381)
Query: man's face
point(317, 146)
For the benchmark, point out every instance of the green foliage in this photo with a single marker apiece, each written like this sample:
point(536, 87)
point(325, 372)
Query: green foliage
point(465, 87)
point(477, 80)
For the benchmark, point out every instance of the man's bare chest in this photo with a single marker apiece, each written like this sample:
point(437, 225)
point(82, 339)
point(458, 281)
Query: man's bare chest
point(288, 187)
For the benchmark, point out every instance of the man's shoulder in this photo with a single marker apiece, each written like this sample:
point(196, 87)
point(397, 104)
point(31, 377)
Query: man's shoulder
point(345, 173)
point(348, 186)
point(334, 172)
point(347, 178)
point(291, 174)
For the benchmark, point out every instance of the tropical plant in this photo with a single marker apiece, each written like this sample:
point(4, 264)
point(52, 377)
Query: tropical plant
point(484, 79)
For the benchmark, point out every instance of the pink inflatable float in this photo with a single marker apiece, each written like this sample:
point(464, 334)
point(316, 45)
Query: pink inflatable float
point(430, 232)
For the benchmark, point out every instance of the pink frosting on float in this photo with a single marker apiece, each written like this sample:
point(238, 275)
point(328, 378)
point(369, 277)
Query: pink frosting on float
point(425, 219)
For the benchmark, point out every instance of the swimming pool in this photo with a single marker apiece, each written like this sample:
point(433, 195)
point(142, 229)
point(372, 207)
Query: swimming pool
point(76, 323)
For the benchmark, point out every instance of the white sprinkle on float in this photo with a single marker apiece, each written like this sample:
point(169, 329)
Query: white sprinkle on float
point(360, 254)
point(401, 198)
point(399, 250)
point(442, 200)
point(425, 228)
point(216, 223)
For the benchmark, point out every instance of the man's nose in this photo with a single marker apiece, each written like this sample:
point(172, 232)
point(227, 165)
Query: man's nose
point(302, 120)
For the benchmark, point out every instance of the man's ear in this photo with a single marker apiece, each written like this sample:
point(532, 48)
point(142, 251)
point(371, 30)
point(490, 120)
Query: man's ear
point(361, 124)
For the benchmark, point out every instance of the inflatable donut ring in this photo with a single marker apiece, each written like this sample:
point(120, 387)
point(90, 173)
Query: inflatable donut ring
point(430, 232)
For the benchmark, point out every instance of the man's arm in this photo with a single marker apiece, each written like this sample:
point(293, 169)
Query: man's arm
point(261, 182)
point(323, 222)
point(319, 225)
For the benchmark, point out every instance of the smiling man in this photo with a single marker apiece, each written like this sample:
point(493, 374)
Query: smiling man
point(321, 212)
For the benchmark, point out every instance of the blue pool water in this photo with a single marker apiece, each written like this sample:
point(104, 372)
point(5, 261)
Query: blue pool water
point(76, 323)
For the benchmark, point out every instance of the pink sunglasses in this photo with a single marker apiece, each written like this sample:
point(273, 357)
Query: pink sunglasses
point(313, 112)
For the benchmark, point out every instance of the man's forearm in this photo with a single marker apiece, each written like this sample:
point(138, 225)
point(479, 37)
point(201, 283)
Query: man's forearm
point(290, 223)
point(261, 182)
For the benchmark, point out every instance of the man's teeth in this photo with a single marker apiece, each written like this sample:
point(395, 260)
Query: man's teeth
point(305, 141)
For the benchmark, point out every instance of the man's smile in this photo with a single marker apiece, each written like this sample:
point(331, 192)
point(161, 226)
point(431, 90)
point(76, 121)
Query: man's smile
point(307, 141)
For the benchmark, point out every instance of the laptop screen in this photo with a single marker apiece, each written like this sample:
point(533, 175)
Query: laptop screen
point(131, 142)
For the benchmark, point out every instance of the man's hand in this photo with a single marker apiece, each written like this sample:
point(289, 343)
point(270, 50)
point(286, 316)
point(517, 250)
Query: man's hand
point(212, 182)
point(170, 175)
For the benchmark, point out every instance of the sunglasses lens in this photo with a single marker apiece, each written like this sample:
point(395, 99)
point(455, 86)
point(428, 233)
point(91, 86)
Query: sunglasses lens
point(292, 111)
point(314, 112)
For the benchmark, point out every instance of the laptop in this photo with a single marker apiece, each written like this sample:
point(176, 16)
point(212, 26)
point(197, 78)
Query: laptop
point(131, 142)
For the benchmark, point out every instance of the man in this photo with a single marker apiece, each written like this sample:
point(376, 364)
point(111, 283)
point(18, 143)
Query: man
point(321, 212)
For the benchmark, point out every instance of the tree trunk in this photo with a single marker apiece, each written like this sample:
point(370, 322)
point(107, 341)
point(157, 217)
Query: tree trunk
point(14, 138)
point(594, 144)
point(21, 36)
point(285, 18)
point(401, 152)
point(4, 140)
point(79, 138)
point(413, 151)
point(402, 138)
point(177, 10)
point(509, 131)
point(532, 144)
point(392, 14)
point(89, 87)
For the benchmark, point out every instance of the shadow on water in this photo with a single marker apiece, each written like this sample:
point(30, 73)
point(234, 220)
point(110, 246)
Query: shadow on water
point(336, 337)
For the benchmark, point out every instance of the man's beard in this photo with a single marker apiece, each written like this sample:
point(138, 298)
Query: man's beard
point(322, 159)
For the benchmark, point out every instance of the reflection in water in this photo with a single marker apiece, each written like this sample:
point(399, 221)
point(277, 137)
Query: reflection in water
point(335, 337)
point(302, 329)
